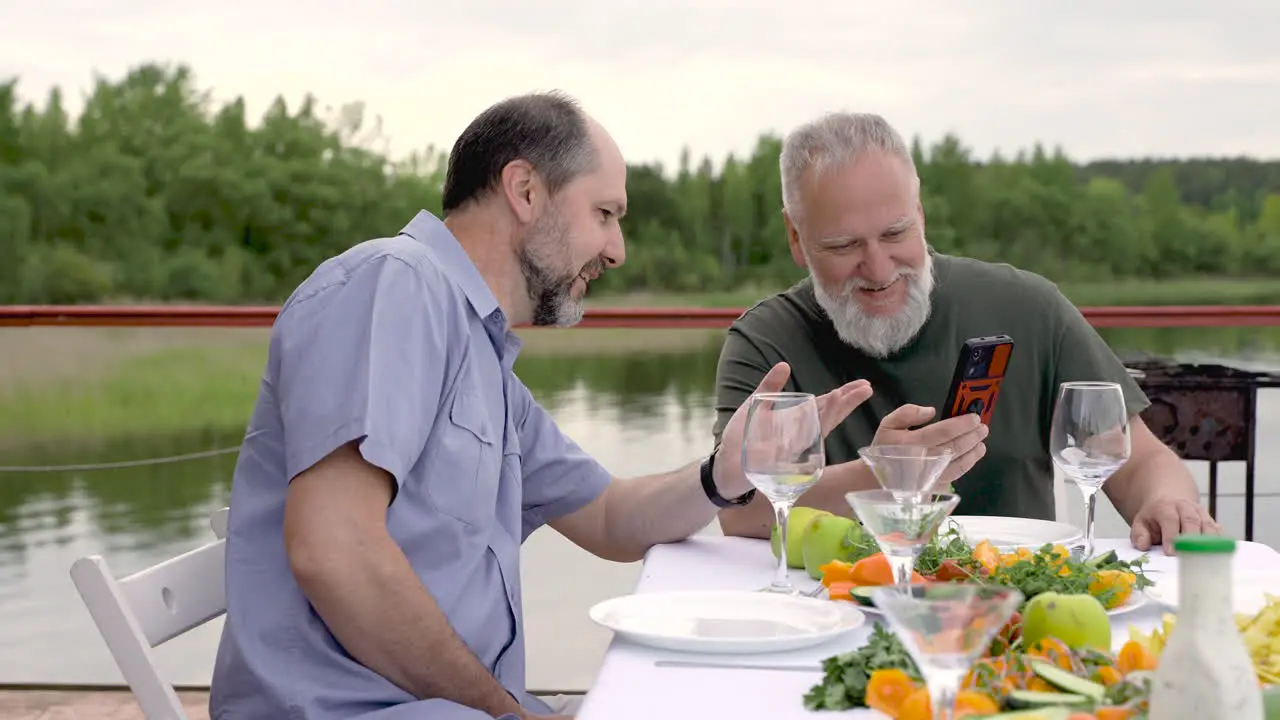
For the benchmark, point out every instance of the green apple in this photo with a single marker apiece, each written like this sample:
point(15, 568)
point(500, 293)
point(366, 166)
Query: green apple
point(1078, 621)
point(828, 538)
point(797, 520)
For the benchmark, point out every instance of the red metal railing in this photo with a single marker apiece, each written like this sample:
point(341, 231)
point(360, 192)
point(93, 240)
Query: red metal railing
point(656, 317)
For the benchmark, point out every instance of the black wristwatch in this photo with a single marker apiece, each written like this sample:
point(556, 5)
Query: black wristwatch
point(709, 485)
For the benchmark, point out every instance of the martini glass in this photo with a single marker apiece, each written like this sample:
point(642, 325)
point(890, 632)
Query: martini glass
point(782, 456)
point(908, 471)
point(945, 627)
point(901, 528)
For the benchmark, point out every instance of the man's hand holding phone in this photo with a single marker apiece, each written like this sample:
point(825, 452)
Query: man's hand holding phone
point(963, 434)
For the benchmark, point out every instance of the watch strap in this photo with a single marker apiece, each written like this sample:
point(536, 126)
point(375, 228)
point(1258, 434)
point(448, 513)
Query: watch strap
point(709, 485)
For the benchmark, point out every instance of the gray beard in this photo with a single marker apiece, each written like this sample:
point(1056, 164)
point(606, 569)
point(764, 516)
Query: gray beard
point(878, 335)
point(551, 292)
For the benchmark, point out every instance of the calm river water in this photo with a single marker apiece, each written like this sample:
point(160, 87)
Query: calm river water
point(639, 413)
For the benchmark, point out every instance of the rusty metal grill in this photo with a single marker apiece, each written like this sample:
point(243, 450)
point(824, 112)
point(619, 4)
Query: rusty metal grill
point(1206, 412)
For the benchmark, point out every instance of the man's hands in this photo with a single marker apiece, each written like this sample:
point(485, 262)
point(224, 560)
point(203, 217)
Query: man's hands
point(1163, 518)
point(833, 408)
point(964, 435)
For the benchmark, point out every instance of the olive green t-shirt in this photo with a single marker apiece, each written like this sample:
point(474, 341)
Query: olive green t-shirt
point(1053, 343)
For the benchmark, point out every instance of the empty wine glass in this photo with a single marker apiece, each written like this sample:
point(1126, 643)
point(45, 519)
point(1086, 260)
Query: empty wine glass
point(782, 456)
point(1089, 441)
point(945, 627)
point(901, 527)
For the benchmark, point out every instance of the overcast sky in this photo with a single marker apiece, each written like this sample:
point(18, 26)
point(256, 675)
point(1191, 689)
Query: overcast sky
point(1101, 78)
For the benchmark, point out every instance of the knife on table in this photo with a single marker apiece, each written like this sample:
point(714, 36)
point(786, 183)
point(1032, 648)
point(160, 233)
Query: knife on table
point(735, 666)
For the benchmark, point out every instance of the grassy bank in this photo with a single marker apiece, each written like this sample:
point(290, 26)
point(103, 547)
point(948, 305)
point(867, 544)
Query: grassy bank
point(91, 382)
point(1200, 291)
point(1195, 291)
point(195, 388)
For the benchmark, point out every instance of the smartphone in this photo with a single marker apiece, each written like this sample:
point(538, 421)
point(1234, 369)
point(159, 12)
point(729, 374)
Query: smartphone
point(980, 369)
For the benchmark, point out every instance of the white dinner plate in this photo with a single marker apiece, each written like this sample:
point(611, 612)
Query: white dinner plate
point(1007, 533)
point(1248, 592)
point(726, 622)
point(1136, 600)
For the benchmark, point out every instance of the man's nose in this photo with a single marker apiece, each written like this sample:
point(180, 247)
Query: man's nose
point(877, 266)
point(615, 252)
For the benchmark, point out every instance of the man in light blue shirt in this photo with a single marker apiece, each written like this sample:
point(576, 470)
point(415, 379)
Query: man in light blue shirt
point(394, 463)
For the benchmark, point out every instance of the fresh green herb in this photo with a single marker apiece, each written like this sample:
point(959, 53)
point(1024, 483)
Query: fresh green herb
point(945, 545)
point(844, 684)
point(1040, 572)
point(858, 544)
point(1133, 692)
point(1047, 571)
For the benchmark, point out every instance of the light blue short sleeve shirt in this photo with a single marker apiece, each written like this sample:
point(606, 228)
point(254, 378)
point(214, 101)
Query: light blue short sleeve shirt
point(397, 343)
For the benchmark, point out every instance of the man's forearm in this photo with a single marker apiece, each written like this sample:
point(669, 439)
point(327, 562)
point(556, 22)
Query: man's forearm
point(647, 511)
point(1158, 474)
point(377, 608)
point(756, 518)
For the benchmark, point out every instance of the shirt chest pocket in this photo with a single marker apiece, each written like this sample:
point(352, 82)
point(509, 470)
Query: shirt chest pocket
point(468, 465)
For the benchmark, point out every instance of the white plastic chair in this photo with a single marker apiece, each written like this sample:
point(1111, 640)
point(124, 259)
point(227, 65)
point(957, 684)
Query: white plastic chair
point(218, 521)
point(137, 613)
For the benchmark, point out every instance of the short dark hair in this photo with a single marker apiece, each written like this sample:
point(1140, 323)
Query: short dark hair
point(547, 129)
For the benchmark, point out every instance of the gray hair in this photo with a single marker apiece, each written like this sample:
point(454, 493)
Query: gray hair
point(834, 139)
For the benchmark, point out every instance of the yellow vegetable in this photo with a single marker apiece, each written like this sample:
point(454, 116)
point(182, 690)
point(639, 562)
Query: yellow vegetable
point(1260, 632)
point(1112, 587)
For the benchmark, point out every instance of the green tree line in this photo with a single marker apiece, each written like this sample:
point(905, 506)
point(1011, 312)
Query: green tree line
point(154, 193)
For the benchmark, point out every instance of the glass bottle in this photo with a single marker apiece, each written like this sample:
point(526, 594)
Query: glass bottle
point(1205, 672)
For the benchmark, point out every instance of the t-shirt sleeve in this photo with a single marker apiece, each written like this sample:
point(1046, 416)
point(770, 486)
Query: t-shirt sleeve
point(362, 359)
point(558, 476)
point(1083, 355)
point(738, 373)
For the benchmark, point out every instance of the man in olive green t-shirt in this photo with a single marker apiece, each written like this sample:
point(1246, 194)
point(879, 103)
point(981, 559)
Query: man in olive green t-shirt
point(880, 305)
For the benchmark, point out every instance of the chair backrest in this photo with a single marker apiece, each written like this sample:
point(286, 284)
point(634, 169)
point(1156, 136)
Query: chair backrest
point(135, 614)
point(218, 521)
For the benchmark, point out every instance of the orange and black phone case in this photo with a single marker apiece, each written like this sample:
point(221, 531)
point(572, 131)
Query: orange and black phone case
point(980, 370)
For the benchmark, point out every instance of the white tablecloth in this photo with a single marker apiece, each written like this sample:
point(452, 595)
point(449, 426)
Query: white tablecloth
point(630, 687)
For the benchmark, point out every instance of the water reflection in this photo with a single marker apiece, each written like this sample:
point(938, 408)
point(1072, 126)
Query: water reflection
point(136, 518)
point(132, 509)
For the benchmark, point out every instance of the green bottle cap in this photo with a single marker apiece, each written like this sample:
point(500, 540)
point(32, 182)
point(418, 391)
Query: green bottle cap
point(1204, 544)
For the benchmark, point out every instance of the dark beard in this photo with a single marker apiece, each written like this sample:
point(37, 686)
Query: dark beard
point(550, 293)
point(545, 247)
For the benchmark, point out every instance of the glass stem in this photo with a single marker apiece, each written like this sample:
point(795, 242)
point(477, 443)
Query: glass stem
point(781, 581)
point(943, 689)
point(1090, 493)
point(904, 566)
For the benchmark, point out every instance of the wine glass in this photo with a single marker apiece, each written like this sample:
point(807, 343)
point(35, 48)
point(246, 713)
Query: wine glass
point(782, 456)
point(901, 527)
point(1089, 441)
point(945, 627)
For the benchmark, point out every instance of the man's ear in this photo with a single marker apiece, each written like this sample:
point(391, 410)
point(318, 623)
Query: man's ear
point(520, 188)
point(793, 240)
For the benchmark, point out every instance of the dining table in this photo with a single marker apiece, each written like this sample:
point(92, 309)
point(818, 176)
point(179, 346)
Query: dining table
point(638, 681)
